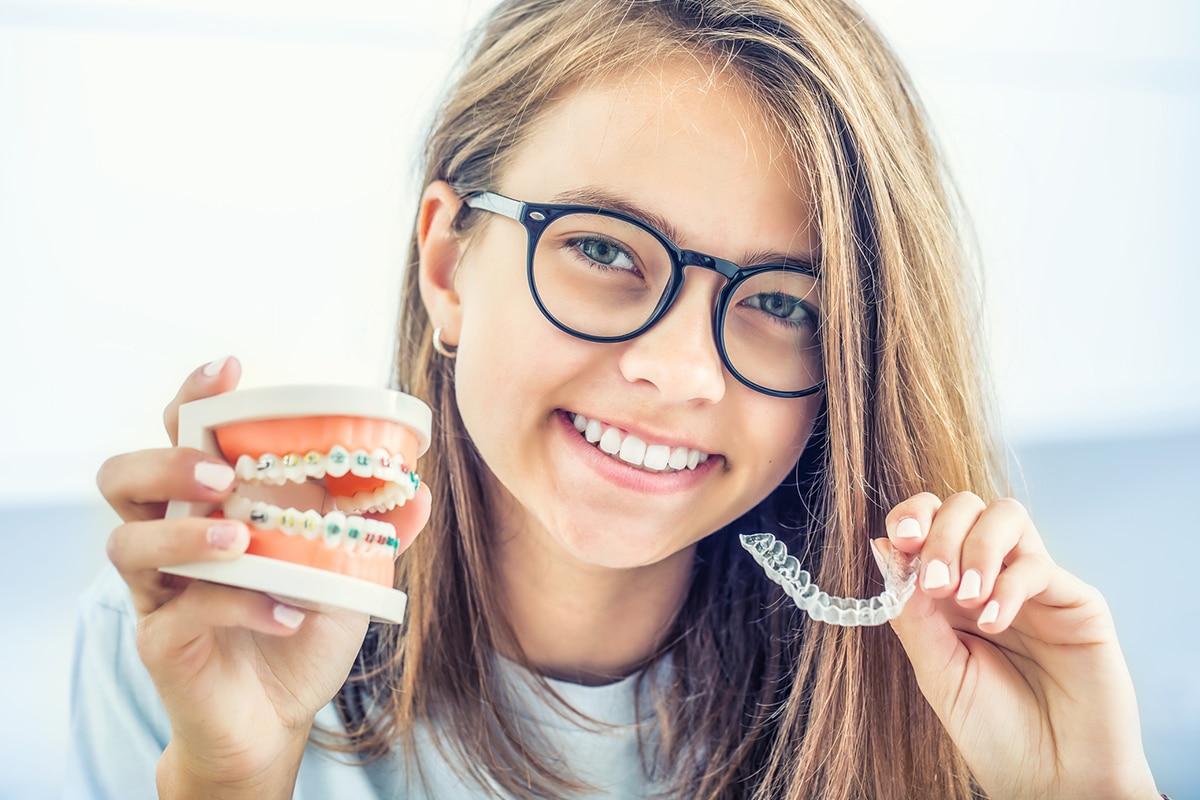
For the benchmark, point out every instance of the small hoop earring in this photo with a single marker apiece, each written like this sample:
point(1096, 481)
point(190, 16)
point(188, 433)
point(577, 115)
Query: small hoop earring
point(443, 349)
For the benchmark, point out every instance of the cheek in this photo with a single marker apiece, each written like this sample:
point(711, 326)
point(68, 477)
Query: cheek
point(782, 432)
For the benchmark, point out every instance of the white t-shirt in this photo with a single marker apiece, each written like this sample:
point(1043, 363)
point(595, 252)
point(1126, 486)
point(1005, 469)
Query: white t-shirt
point(119, 728)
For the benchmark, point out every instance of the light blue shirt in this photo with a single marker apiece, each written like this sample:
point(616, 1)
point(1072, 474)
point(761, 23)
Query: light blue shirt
point(119, 728)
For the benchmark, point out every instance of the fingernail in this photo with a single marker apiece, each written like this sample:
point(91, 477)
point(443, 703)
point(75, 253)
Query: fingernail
point(991, 613)
point(937, 575)
point(908, 528)
point(880, 561)
point(225, 535)
point(971, 585)
point(213, 368)
point(214, 475)
point(287, 616)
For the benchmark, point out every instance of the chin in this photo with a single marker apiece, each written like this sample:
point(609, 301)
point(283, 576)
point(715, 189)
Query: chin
point(631, 548)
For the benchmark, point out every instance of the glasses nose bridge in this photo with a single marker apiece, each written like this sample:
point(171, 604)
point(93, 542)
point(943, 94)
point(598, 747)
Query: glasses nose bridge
point(694, 258)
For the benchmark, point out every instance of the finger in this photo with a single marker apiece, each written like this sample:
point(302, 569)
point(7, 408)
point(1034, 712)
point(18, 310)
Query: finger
point(929, 639)
point(953, 522)
point(1025, 578)
point(139, 485)
point(908, 523)
point(1001, 533)
point(139, 549)
point(213, 378)
point(176, 634)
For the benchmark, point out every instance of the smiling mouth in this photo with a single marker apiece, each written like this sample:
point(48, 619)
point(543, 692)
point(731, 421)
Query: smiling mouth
point(633, 451)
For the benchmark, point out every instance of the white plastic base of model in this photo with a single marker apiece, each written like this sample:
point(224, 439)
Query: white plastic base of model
point(301, 586)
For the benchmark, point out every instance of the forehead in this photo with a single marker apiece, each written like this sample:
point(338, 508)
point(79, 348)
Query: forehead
point(689, 143)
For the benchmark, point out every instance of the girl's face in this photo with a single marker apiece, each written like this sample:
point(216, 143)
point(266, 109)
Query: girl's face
point(689, 150)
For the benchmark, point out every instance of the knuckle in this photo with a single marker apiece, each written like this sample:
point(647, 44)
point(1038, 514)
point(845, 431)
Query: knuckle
point(915, 504)
point(1009, 506)
point(967, 499)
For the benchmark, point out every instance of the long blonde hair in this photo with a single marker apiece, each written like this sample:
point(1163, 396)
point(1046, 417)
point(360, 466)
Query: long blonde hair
point(760, 702)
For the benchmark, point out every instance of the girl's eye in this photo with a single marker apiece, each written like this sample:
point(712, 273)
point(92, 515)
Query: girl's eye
point(606, 252)
point(783, 307)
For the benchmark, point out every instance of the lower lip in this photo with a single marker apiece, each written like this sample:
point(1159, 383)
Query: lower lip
point(628, 477)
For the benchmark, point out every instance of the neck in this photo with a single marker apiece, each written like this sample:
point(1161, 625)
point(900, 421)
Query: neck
point(581, 622)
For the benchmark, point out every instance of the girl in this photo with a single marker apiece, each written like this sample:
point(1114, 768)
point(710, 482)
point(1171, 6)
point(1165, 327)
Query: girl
point(682, 269)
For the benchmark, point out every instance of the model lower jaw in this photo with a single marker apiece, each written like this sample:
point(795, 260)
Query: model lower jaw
point(632, 451)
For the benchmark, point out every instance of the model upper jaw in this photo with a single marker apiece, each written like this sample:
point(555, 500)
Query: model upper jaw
point(650, 456)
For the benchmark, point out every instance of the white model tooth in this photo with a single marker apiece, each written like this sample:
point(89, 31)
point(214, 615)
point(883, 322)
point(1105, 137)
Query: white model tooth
point(592, 431)
point(376, 535)
point(337, 463)
point(260, 515)
point(387, 529)
point(389, 496)
point(693, 459)
point(365, 500)
point(290, 521)
point(310, 524)
point(334, 528)
point(269, 469)
point(633, 450)
point(360, 463)
point(657, 457)
point(247, 468)
point(237, 507)
point(679, 458)
point(610, 442)
point(382, 465)
point(314, 464)
point(355, 531)
point(703, 457)
point(580, 422)
point(293, 468)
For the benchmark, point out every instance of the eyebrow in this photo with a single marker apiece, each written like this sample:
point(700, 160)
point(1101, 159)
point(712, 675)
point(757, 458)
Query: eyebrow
point(600, 198)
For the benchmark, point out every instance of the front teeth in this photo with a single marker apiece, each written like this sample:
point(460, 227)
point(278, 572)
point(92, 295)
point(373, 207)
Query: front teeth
point(634, 451)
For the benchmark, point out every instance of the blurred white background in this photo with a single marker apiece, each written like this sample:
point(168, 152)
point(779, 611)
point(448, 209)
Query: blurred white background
point(184, 179)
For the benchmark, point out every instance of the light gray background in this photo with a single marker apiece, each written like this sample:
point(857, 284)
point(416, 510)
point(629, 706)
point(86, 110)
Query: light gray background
point(184, 179)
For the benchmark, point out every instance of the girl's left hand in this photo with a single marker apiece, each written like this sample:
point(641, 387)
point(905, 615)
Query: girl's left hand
point(1018, 657)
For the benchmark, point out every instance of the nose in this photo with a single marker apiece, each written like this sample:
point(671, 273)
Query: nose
point(678, 355)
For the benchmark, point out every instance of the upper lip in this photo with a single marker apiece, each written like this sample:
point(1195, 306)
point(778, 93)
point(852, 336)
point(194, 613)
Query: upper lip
point(669, 439)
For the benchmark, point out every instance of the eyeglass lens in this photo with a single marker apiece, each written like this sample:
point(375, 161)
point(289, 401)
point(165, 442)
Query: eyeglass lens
point(603, 276)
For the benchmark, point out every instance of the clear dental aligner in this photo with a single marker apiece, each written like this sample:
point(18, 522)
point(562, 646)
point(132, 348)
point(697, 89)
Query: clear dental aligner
point(784, 569)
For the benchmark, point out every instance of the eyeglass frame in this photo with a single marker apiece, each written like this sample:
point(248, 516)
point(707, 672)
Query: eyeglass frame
point(537, 217)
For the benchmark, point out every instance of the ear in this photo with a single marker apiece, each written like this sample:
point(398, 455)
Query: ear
point(439, 248)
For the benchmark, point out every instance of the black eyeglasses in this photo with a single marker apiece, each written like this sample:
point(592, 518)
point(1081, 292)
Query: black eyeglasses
point(605, 276)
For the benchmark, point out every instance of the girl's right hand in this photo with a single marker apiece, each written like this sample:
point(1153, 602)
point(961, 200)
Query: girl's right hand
point(241, 675)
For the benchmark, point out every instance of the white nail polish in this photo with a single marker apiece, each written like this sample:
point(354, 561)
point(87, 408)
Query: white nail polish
point(213, 368)
point(937, 575)
point(211, 475)
point(908, 528)
point(971, 585)
point(287, 616)
point(991, 612)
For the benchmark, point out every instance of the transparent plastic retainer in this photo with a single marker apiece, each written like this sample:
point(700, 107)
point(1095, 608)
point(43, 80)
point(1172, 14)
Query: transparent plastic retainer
point(899, 582)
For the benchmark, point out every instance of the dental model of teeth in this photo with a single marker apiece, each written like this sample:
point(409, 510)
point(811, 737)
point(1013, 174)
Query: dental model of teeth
point(634, 451)
point(324, 481)
point(899, 582)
